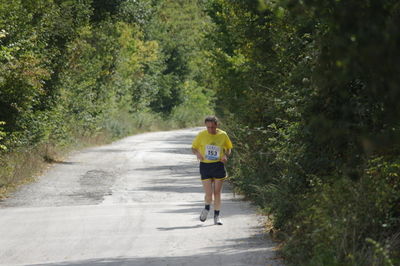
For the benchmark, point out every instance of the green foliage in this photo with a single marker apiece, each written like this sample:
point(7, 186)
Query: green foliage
point(103, 9)
point(367, 209)
point(135, 55)
point(307, 89)
point(137, 12)
point(85, 70)
point(381, 256)
point(2, 135)
point(179, 27)
point(195, 106)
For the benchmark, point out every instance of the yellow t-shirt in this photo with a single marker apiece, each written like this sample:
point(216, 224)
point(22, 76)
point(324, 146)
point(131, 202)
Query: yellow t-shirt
point(212, 147)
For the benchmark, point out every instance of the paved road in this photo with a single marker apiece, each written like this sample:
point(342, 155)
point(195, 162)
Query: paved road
point(134, 202)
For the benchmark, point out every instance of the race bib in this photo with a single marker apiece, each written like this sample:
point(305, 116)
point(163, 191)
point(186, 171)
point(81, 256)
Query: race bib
point(212, 152)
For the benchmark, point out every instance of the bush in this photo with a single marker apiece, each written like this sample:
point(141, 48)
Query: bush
point(308, 96)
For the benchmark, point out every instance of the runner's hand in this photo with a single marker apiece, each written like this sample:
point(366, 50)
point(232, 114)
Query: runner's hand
point(199, 156)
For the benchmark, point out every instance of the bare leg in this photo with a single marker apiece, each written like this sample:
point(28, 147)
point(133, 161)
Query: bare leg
point(217, 193)
point(208, 191)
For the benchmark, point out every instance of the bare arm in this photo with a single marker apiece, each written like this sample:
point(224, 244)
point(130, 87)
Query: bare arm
point(198, 154)
point(224, 158)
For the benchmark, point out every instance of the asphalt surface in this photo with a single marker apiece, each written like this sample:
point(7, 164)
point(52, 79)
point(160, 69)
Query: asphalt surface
point(134, 202)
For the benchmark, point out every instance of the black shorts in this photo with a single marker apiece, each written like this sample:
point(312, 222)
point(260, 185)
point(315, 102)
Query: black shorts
point(212, 170)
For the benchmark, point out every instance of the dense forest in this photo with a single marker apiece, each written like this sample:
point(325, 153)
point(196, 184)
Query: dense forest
point(307, 90)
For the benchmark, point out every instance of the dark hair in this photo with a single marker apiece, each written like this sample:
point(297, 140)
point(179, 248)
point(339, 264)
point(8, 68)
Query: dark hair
point(211, 118)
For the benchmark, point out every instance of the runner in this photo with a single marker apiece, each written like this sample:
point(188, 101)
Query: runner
point(212, 148)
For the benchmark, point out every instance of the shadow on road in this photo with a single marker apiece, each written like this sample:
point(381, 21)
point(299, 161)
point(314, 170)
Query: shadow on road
point(220, 256)
point(173, 189)
point(183, 227)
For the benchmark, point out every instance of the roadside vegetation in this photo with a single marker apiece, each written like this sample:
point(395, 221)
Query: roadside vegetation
point(76, 73)
point(308, 91)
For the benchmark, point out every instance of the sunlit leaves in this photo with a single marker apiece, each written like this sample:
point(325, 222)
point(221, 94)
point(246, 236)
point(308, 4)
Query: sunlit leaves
point(2, 135)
